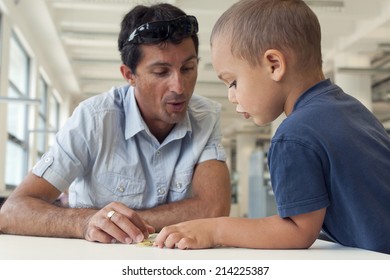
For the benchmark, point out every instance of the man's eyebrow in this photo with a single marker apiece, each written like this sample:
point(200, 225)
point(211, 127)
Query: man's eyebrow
point(159, 64)
point(166, 64)
point(191, 58)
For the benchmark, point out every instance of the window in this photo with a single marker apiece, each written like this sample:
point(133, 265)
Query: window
point(42, 122)
point(54, 108)
point(17, 142)
point(48, 118)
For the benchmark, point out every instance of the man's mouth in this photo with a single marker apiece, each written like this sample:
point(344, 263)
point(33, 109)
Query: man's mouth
point(176, 106)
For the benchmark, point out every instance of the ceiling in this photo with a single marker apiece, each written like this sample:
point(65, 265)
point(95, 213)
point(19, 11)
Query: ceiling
point(81, 37)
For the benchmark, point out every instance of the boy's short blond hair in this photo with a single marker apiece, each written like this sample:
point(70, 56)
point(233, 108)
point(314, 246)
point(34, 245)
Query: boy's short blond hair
point(254, 26)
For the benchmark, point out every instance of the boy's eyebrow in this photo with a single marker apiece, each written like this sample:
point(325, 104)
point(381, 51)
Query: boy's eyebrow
point(220, 75)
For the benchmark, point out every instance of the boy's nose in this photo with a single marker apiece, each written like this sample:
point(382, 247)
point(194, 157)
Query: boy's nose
point(232, 97)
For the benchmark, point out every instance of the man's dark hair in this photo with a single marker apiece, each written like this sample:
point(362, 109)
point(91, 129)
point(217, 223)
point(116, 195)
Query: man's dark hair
point(131, 53)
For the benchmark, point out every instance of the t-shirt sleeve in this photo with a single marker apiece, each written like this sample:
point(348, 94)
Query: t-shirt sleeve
point(297, 178)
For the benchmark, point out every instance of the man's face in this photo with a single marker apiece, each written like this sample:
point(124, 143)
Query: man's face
point(164, 82)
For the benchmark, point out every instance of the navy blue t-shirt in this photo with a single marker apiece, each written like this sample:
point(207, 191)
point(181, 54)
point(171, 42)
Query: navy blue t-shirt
point(332, 152)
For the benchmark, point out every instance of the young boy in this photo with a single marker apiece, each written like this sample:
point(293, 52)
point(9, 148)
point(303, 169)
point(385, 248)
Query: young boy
point(329, 159)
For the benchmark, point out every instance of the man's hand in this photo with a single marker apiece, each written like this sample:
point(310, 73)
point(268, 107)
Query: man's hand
point(124, 225)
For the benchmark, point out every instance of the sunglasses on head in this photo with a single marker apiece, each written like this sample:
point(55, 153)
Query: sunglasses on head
point(157, 31)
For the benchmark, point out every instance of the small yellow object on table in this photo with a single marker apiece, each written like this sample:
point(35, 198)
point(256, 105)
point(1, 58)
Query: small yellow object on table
point(149, 241)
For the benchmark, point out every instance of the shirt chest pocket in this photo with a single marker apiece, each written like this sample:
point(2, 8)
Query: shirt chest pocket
point(180, 187)
point(116, 187)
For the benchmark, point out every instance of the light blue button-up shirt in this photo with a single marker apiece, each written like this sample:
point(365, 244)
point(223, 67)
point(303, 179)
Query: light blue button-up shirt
point(105, 152)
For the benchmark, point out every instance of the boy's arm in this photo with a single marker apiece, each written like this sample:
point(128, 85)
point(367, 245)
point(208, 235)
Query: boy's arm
point(273, 232)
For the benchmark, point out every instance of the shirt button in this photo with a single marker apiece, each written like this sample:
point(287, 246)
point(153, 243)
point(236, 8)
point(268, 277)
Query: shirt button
point(178, 185)
point(161, 191)
point(121, 188)
point(47, 160)
point(158, 153)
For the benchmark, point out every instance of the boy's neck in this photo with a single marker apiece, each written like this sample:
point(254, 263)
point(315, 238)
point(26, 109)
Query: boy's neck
point(297, 85)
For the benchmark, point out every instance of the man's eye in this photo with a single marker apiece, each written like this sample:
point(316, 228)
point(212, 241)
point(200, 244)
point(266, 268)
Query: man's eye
point(160, 73)
point(233, 84)
point(187, 69)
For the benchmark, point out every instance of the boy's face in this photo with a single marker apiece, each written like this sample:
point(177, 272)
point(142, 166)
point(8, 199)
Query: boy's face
point(251, 88)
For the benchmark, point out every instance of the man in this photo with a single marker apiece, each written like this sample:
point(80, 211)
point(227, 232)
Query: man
point(138, 157)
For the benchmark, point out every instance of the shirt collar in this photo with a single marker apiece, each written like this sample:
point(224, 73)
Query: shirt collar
point(135, 123)
point(311, 92)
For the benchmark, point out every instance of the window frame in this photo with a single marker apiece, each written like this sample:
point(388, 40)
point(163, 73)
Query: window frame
point(23, 144)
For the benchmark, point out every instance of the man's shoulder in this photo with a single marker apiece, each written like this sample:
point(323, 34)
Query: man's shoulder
point(112, 99)
point(199, 104)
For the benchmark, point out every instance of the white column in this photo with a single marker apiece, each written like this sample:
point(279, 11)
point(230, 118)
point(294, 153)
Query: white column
point(275, 124)
point(245, 144)
point(353, 82)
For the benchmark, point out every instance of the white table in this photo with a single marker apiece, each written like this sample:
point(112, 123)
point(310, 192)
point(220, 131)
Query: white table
point(13, 247)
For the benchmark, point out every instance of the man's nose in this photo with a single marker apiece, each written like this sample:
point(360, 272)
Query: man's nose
point(177, 83)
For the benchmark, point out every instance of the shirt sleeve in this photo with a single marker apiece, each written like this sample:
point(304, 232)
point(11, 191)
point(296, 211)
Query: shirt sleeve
point(214, 148)
point(297, 178)
point(69, 157)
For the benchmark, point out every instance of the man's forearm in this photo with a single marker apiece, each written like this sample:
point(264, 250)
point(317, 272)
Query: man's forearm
point(31, 216)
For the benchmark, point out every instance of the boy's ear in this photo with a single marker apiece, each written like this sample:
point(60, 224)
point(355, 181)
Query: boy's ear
point(275, 62)
point(128, 74)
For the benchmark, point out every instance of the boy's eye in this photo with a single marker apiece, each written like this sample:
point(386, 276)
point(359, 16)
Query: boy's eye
point(233, 84)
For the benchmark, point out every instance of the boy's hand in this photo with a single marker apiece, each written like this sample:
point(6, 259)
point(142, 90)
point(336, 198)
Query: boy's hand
point(195, 234)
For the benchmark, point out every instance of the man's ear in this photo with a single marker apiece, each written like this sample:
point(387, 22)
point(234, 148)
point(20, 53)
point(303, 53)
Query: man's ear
point(275, 62)
point(127, 74)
